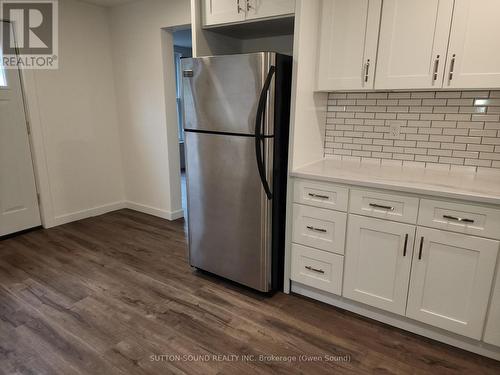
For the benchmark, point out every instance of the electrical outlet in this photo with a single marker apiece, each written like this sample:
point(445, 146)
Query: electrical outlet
point(395, 131)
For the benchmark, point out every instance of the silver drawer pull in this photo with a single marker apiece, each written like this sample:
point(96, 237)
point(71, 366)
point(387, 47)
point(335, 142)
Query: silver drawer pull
point(366, 71)
point(319, 196)
point(463, 220)
point(316, 229)
point(389, 208)
point(314, 269)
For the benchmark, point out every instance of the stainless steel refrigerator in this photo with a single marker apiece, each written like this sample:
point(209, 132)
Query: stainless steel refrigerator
point(236, 120)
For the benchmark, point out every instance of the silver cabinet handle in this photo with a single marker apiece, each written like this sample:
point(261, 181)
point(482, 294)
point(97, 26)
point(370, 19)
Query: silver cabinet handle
point(452, 68)
point(406, 244)
point(238, 7)
point(436, 67)
point(421, 247)
point(366, 70)
point(248, 5)
point(318, 196)
point(461, 219)
point(318, 270)
point(388, 208)
point(316, 229)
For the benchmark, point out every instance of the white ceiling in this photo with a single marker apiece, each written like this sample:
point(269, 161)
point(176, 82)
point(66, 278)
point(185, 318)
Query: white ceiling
point(108, 3)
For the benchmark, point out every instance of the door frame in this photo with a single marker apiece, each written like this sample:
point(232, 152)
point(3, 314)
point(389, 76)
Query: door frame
point(173, 147)
point(37, 146)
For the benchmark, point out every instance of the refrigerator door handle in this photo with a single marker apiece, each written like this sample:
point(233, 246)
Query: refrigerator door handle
point(259, 136)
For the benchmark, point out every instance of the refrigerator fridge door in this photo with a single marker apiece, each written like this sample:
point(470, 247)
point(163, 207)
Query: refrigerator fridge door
point(229, 213)
point(221, 93)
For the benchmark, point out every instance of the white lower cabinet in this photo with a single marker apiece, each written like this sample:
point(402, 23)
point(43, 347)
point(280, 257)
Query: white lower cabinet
point(439, 269)
point(317, 268)
point(451, 280)
point(377, 262)
point(492, 330)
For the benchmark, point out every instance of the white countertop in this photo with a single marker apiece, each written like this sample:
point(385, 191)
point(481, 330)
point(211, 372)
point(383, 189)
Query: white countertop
point(482, 186)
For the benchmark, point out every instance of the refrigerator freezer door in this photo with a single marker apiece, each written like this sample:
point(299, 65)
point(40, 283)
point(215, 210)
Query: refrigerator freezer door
point(221, 93)
point(229, 213)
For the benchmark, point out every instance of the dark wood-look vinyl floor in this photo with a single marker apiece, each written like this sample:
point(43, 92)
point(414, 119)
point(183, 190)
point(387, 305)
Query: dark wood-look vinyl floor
point(114, 294)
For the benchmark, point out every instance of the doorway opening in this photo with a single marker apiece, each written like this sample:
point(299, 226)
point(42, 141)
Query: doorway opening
point(182, 49)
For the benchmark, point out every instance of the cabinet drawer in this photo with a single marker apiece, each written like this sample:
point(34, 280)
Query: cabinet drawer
point(457, 217)
point(317, 268)
point(321, 194)
point(319, 228)
point(384, 205)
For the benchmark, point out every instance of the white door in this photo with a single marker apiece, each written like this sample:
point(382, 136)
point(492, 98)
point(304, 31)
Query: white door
point(223, 11)
point(377, 262)
point(474, 53)
point(18, 199)
point(413, 44)
point(348, 44)
point(269, 8)
point(451, 280)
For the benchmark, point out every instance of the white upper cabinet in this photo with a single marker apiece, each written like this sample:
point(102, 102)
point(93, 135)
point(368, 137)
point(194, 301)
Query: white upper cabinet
point(451, 281)
point(269, 8)
point(474, 51)
point(348, 44)
point(377, 262)
point(218, 12)
point(223, 11)
point(413, 43)
point(425, 44)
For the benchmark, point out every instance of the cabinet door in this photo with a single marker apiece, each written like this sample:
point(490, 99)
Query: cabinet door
point(223, 11)
point(451, 280)
point(474, 53)
point(269, 8)
point(492, 330)
point(377, 262)
point(413, 44)
point(348, 44)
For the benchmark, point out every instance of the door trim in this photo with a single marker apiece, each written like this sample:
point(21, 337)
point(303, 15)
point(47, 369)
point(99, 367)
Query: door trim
point(38, 147)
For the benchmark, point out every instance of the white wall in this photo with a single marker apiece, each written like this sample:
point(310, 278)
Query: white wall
point(73, 115)
point(308, 111)
point(145, 93)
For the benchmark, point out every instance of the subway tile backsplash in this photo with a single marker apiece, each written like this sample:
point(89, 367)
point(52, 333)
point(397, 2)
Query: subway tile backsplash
point(441, 129)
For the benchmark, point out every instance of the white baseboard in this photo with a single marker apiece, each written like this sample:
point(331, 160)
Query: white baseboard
point(89, 212)
point(401, 322)
point(174, 215)
point(158, 212)
point(105, 208)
